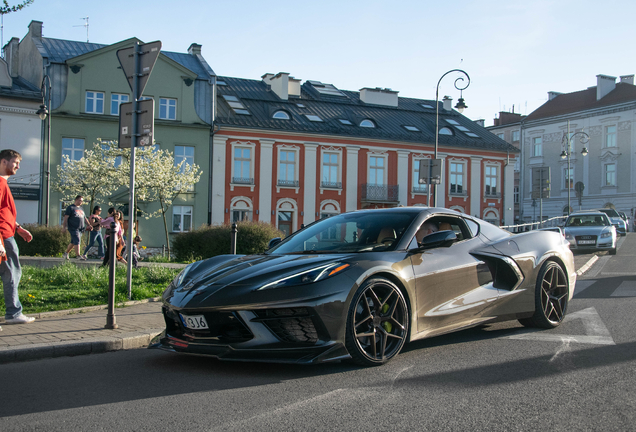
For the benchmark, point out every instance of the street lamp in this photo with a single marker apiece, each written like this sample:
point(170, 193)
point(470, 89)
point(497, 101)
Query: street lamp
point(460, 107)
point(567, 152)
point(43, 113)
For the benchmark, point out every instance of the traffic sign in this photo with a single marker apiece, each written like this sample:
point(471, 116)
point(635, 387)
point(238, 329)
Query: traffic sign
point(541, 182)
point(430, 171)
point(145, 123)
point(148, 54)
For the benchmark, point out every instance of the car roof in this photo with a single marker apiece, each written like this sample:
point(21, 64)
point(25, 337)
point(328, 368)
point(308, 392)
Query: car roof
point(587, 213)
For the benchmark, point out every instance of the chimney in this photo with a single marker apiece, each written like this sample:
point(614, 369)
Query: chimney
point(379, 96)
point(553, 94)
point(294, 87)
point(279, 84)
point(604, 85)
point(35, 29)
point(627, 79)
point(480, 122)
point(11, 55)
point(195, 49)
point(448, 103)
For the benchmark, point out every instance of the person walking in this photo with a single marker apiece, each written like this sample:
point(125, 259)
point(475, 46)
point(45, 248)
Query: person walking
point(113, 216)
point(74, 218)
point(10, 269)
point(96, 233)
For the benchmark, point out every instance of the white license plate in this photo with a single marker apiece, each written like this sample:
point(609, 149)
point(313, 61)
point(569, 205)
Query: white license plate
point(587, 242)
point(194, 322)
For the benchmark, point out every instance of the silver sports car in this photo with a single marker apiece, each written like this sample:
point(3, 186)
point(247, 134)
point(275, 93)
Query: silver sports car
point(590, 231)
point(360, 285)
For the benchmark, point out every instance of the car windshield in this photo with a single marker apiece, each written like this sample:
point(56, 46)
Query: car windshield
point(349, 232)
point(610, 212)
point(587, 220)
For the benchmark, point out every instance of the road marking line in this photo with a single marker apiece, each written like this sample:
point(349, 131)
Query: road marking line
point(596, 332)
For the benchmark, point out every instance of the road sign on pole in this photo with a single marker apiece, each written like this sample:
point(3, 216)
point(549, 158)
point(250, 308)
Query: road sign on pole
point(145, 122)
point(430, 171)
point(541, 182)
point(147, 55)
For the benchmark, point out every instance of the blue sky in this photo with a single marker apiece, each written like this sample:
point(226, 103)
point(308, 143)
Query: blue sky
point(514, 51)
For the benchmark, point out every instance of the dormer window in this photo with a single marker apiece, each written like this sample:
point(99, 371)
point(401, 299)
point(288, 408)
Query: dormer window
point(411, 128)
point(313, 118)
point(345, 122)
point(367, 123)
point(236, 105)
point(445, 131)
point(281, 115)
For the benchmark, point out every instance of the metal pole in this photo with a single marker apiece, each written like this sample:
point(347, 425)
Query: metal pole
point(112, 259)
point(133, 144)
point(233, 239)
point(437, 115)
point(569, 178)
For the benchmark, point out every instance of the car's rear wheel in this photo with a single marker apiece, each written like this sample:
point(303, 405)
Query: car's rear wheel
point(377, 323)
point(551, 297)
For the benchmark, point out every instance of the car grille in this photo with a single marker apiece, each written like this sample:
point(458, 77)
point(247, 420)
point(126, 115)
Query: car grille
point(293, 325)
point(586, 240)
point(224, 326)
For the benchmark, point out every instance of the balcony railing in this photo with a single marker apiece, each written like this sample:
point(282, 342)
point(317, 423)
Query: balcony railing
point(288, 183)
point(331, 185)
point(380, 193)
point(243, 180)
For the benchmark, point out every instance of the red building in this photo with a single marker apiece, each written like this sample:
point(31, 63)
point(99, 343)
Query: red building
point(288, 154)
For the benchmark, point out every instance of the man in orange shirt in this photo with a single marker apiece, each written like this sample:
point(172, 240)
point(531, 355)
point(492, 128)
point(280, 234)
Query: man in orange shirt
point(10, 270)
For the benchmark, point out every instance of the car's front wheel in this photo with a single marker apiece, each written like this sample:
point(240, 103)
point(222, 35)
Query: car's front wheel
point(377, 323)
point(551, 297)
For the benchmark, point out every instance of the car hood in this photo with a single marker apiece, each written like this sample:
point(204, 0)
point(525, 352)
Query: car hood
point(238, 275)
point(587, 230)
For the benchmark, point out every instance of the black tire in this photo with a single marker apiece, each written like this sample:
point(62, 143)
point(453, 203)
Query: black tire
point(551, 297)
point(377, 323)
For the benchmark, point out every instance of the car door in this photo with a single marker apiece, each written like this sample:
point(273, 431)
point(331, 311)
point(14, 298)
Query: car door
point(452, 286)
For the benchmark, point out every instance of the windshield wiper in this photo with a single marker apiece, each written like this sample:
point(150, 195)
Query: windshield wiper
point(311, 252)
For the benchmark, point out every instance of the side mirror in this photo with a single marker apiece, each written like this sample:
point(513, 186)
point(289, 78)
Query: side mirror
point(438, 239)
point(273, 242)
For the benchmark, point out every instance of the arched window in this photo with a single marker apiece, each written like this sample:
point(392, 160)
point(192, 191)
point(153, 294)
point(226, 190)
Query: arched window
point(367, 123)
point(445, 131)
point(281, 115)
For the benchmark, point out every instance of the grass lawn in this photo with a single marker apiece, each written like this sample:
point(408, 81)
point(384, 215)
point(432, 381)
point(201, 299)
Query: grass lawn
point(69, 286)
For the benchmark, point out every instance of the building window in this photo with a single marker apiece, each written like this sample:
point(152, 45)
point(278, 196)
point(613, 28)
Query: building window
point(537, 146)
point(515, 135)
point(241, 209)
point(73, 148)
point(445, 131)
point(610, 174)
point(417, 186)
point(367, 123)
point(516, 195)
point(117, 160)
point(376, 170)
point(500, 135)
point(241, 216)
point(610, 136)
point(568, 178)
point(491, 180)
point(345, 122)
point(281, 115)
point(285, 220)
point(411, 128)
point(287, 168)
point(331, 170)
point(183, 153)
point(242, 165)
point(94, 102)
point(116, 100)
point(181, 218)
point(167, 109)
point(313, 118)
point(457, 178)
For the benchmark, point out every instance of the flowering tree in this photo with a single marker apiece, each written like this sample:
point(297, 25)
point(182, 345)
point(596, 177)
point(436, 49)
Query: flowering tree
point(92, 176)
point(162, 181)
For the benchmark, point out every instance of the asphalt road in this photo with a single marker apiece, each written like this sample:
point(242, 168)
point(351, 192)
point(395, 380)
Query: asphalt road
point(580, 376)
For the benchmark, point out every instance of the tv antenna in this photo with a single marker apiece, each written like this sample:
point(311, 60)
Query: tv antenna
point(84, 25)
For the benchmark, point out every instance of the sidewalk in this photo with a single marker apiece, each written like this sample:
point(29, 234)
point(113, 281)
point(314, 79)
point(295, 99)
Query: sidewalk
point(81, 331)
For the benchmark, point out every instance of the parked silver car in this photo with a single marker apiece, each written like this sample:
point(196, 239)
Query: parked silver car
point(590, 230)
point(615, 218)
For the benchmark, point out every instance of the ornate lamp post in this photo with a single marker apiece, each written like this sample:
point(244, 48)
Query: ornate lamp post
point(43, 112)
point(459, 107)
point(567, 152)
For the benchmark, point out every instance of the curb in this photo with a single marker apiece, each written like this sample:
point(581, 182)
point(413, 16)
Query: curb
point(587, 265)
point(84, 309)
point(131, 340)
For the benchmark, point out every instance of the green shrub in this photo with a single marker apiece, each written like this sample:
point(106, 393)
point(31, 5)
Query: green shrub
point(209, 241)
point(47, 241)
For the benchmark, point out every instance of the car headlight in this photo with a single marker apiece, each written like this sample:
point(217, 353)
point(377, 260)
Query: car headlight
point(605, 235)
point(179, 278)
point(569, 236)
point(308, 276)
